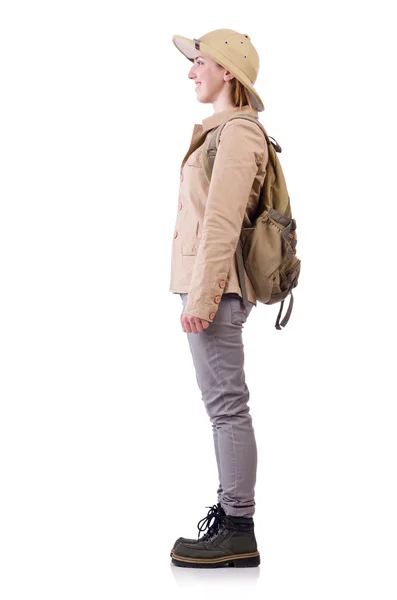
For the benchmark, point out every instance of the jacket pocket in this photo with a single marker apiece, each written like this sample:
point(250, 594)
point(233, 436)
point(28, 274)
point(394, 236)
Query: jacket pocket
point(189, 248)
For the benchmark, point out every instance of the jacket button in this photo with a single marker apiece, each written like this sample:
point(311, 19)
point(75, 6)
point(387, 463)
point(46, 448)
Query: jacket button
point(180, 206)
point(222, 284)
point(175, 234)
point(212, 315)
point(217, 299)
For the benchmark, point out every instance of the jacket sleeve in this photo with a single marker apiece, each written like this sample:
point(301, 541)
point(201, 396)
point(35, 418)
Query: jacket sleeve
point(241, 149)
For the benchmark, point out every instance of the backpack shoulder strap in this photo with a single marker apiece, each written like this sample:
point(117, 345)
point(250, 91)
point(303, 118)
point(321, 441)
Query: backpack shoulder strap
point(210, 148)
point(269, 139)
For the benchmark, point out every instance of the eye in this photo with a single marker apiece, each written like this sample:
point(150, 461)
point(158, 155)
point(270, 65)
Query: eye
point(199, 62)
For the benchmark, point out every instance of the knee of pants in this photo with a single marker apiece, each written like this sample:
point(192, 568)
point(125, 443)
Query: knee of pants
point(221, 406)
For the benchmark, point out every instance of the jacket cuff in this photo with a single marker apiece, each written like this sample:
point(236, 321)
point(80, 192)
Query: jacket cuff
point(204, 304)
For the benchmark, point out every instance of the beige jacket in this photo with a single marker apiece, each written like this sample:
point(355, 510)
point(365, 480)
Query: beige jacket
point(210, 216)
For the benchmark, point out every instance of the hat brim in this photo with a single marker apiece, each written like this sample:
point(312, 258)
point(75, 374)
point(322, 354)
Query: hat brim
point(188, 49)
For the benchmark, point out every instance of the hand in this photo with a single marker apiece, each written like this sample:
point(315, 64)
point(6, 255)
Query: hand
point(193, 324)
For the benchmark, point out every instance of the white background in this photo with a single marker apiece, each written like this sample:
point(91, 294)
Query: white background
point(105, 447)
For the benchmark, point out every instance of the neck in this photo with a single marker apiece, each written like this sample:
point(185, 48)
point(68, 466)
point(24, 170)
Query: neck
point(220, 106)
point(223, 101)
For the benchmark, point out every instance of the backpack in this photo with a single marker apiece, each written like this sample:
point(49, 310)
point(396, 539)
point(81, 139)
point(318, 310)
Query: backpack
point(267, 250)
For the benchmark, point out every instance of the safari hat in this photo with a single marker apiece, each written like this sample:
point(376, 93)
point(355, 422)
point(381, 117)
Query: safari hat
point(233, 51)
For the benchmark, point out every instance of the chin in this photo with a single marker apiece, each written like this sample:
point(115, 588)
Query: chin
point(203, 99)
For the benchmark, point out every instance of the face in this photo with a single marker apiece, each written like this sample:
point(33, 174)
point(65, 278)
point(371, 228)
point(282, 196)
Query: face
point(211, 81)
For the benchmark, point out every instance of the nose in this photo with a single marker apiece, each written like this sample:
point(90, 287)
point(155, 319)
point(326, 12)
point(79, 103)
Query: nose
point(192, 74)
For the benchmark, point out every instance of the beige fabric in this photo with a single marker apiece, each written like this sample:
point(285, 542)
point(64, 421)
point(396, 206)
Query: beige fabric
point(210, 216)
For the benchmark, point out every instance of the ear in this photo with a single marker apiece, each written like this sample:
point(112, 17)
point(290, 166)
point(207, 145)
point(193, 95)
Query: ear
point(228, 76)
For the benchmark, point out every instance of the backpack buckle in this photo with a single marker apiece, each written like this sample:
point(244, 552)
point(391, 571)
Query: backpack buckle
point(276, 146)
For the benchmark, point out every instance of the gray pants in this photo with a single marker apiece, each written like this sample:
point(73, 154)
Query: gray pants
point(218, 358)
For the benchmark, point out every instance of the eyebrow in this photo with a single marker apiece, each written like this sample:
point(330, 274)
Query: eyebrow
point(197, 57)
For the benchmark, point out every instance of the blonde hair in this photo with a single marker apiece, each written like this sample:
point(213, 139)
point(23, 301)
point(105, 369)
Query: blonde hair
point(238, 93)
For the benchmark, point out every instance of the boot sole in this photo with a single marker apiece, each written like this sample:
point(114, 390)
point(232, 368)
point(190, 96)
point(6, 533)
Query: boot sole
point(235, 560)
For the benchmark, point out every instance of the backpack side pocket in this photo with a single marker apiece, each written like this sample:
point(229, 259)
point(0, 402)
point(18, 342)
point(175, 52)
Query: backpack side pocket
point(269, 256)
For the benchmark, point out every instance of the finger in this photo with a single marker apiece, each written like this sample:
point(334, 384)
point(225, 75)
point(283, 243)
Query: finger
point(198, 325)
point(205, 324)
point(192, 323)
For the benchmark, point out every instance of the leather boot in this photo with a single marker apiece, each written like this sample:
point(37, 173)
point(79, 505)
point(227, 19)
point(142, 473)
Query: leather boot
point(230, 541)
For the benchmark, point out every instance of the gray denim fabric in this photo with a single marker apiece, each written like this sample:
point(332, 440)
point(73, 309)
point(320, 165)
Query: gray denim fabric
point(218, 358)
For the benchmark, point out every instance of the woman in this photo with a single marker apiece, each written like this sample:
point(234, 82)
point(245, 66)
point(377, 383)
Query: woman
point(203, 271)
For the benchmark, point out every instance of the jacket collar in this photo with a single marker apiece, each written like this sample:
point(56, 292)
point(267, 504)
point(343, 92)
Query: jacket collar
point(221, 117)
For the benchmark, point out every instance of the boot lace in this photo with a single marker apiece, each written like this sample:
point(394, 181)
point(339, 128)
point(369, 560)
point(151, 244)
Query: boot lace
point(205, 523)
